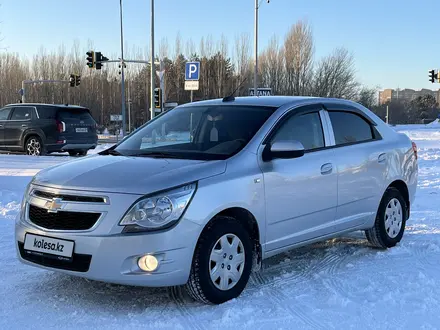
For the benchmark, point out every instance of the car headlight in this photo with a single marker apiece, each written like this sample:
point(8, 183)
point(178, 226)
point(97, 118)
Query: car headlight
point(158, 211)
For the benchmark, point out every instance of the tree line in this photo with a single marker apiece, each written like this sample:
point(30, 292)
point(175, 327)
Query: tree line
point(288, 66)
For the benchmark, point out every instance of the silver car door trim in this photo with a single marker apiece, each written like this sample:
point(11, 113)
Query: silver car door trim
point(328, 124)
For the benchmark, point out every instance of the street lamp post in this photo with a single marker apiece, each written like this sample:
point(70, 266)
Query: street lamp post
point(256, 47)
point(152, 66)
point(122, 73)
point(257, 6)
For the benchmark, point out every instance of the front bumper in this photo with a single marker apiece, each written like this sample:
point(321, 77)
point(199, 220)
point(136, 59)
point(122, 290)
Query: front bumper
point(105, 254)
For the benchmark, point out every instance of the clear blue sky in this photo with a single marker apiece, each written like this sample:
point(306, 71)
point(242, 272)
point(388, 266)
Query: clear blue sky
point(395, 43)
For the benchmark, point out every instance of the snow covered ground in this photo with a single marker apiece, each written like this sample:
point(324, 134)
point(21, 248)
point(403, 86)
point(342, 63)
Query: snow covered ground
point(341, 283)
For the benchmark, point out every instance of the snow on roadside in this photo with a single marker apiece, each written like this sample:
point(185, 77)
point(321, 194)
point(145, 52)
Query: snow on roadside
point(338, 284)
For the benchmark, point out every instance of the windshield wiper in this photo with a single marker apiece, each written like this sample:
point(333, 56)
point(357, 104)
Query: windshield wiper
point(155, 154)
point(114, 153)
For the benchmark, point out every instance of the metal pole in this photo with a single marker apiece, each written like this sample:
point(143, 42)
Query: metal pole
point(162, 84)
point(387, 114)
point(191, 96)
point(23, 96)
point(256, 48)
point(129, 108)
point(122, 73)
point(153, 70)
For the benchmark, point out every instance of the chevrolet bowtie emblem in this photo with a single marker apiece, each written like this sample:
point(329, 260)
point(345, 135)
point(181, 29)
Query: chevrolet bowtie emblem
point(54, 205)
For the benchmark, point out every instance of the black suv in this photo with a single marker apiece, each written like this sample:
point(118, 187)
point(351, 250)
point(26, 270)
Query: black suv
point(39, 129)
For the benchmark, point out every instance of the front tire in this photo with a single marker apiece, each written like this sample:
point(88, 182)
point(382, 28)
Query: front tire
point(390, 220)
point(222, 262)
point(82, 153)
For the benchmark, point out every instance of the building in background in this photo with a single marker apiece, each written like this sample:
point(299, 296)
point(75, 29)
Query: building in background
point(407, 94)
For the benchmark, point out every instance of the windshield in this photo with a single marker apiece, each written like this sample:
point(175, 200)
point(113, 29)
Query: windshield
point(197, 132)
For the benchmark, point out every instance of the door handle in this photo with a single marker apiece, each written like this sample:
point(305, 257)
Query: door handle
point(326, 168)
point(382, 158)
point(23, 125)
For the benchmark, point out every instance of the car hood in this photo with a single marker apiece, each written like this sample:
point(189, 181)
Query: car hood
point(121, 174)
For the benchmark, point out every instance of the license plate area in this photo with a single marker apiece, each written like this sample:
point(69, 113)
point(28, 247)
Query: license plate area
point(60, 249)
point(81, 130)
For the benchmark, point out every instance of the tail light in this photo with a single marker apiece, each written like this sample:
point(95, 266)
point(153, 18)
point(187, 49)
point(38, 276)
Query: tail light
point(61, 126)
point(414, 147)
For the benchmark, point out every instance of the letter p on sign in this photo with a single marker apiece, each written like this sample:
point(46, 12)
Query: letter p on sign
point(192, 70)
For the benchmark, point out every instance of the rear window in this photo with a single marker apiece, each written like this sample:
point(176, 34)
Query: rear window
point(350, 128)
point(82, 114)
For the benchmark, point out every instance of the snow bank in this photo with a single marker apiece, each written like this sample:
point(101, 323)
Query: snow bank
point(338, 284)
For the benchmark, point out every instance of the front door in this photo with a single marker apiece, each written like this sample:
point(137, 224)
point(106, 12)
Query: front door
point(301, 193)
point(19, 121)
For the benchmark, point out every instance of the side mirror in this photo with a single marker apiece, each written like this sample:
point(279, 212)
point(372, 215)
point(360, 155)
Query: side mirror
point(284, 150)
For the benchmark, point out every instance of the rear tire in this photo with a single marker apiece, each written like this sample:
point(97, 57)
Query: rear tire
point(34, 146)
point(216, 282)
point(82, 153)
point(390, 220)
point(73, 153)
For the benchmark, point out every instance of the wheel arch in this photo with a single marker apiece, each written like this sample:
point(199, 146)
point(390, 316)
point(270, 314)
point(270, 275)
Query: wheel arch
point(402, 187)
point(249, 222)
point(30, 133)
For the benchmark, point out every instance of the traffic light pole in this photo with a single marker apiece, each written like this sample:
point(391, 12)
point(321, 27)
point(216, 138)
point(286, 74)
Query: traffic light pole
point(122, 74)
point(152, 68)
point(30, 82)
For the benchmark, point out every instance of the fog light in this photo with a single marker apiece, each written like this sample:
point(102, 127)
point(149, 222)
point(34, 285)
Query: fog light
point(148, 263)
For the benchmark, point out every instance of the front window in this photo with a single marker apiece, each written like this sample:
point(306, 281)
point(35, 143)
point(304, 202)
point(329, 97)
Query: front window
point(306, 128)
point(197, 132)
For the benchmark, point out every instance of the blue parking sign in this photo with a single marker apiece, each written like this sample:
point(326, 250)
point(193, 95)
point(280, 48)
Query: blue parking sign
point(192, 70)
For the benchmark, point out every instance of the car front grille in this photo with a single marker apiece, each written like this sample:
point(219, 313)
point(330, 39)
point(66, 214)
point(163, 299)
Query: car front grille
point(62, 220)
point(69, 198)
point(79, 262)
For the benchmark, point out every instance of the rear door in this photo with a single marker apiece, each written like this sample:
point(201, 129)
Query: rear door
point(19, 121)
point(4, 115)
point(361, 165)
point(79, 124)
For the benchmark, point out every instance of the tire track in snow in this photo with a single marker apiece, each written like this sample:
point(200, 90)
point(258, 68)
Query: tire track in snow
point(177, 296)
point(277, 297)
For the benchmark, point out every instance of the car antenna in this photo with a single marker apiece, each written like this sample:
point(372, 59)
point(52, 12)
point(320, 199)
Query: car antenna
point(231, 96)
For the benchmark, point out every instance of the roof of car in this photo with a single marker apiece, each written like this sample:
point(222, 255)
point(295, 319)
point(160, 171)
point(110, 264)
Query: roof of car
point(47, 104)
point(267, 101)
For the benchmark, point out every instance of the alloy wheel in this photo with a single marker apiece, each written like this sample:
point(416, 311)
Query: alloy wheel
point(33, 147)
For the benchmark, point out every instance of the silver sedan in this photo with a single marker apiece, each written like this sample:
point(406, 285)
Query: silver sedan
point(203, 193)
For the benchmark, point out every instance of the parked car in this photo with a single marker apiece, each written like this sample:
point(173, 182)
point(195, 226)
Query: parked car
point(37, 129)
point(202, 194)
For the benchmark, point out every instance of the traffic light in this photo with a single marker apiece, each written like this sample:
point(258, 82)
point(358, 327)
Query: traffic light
point(433, 76)
point(158, 98)
point(91, 59)
point(74, 80)
point(99, 58)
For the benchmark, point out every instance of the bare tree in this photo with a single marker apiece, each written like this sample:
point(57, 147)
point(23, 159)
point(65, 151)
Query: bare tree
point(271, 67)
point(288, 68)
point(163, 48)
point(335, 76)
point(242, 61)
point(298, 58)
